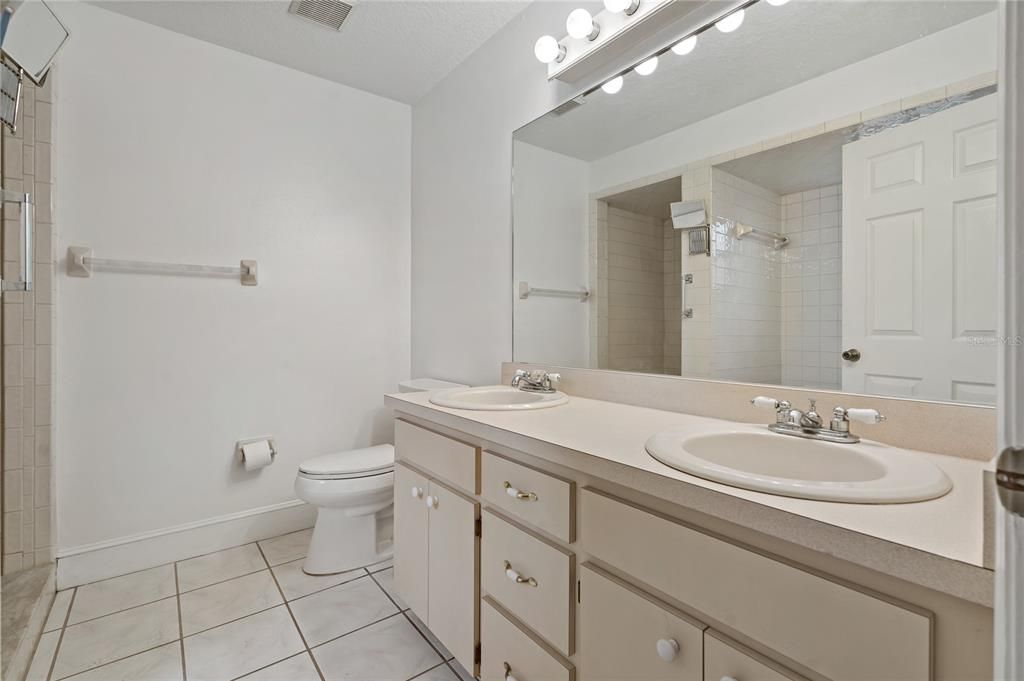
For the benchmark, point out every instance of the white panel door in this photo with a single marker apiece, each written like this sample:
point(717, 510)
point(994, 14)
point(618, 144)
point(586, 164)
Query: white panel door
point(919, 257)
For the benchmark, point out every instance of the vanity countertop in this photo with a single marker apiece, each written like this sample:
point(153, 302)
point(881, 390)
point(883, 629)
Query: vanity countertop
point(936, 543)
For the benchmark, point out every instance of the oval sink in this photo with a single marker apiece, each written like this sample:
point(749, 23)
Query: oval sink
point(496, 398)
point(866, 472)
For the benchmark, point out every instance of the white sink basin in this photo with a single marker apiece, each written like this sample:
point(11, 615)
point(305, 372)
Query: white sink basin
point(866, 472)
point(496, 398)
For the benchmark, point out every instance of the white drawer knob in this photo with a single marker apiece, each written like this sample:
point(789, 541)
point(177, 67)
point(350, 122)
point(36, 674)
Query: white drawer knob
point(728, 678)
point(431, 501)
point(417, 492)
point(668, 648)
point(517, 494)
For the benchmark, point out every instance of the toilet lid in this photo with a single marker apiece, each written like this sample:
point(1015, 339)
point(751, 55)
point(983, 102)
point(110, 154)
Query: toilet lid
point(353, 463)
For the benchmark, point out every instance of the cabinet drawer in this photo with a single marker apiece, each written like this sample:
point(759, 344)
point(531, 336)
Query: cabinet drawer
point(448, 459)
point(547, 607)
point(726, 660)
point(544, 501)
point(504, 643)
point(624, 633)
point(838, 631)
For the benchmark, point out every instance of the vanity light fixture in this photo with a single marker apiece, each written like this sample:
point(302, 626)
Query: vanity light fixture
point(685, 47)
point(613, 85)
point(547, 49)
point(731, 22)
point(580, 24)
point(629, 7)
point(646, 68)
point(777, 3)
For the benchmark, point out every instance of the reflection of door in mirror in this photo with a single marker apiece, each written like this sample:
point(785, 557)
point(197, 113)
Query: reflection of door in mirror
point(919, 276)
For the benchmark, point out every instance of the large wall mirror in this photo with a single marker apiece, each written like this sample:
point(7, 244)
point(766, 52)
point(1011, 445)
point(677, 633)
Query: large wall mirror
point(808, 200)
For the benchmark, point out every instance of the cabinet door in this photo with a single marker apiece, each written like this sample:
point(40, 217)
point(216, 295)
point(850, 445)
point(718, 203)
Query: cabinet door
point(625, 635)
point(411, 491)
point(454, 566)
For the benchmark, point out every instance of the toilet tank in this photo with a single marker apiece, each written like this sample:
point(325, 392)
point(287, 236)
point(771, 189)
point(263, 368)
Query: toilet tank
point(418, 385)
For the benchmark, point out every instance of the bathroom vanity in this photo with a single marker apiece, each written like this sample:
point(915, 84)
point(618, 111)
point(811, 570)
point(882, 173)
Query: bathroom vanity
point(549, 546)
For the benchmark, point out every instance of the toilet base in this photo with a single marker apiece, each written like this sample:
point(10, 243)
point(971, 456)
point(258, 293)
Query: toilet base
point(343, 542)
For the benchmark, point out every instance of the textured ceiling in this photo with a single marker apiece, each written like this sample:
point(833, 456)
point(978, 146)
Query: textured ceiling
point(775, 48)
point(394, 48)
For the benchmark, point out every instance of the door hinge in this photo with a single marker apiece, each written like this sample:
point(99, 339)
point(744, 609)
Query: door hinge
point(479, 527)
point(1010, 479)
point(579, 591)
point(476, 654)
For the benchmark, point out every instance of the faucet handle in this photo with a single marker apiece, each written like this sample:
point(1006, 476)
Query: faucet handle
point(554, 378)
point(864, 415)
point(762, 402)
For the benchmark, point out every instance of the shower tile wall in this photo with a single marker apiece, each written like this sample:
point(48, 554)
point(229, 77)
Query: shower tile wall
point(635, 292)
point(812, 288)
point(696, 336)
point(28, 343)
point(746, 315)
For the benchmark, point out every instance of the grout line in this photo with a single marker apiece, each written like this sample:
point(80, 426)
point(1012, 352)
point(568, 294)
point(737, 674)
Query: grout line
point(365, 626)
point(118, 612)
point(256, 671)
point(390, 598)
point(405, 613)
point(302, 636)
point(120, 659)
point(60, 639)
point(221, 581)
point(181, 626)
point(326, 588)
point(427, 671)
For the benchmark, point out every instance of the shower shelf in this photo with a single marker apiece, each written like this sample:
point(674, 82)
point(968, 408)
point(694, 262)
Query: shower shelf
point(81, 263)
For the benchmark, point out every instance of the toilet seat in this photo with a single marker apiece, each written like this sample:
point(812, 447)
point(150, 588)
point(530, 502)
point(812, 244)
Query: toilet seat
point(357, 463)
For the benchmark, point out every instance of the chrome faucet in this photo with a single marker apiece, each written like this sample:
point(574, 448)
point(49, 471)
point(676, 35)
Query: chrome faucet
point(809, 424)
point(535, 381)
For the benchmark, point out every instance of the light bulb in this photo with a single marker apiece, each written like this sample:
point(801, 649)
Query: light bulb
point(684, 47)
point(613, 85)
point(548, 50)
point(777, 3)
point(731, 22)
point(646, 68)
point(580, 24)
point(627, 6)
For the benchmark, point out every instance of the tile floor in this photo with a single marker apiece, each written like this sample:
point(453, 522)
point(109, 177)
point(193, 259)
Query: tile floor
point(244, 613)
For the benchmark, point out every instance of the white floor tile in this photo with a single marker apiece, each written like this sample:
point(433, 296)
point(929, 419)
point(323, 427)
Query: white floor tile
point(386, 579)
point(298, 668)
point(120, 593)
point(390, 650)
point(59, 610)
point(429, 634)
point(110, 638)
point(287, 547)
point(341, 609)
point(441, 673)
point(214, 605)
point(218, 567)
point(159, 664)
point(295, 583)
point(460, 671)
point(383, 565)
point(243, 646)
point(39, 670)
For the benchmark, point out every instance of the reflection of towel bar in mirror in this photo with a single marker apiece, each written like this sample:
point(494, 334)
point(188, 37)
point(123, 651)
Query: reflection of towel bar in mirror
point(525, 291)
point(81, 263)
point(743, 230)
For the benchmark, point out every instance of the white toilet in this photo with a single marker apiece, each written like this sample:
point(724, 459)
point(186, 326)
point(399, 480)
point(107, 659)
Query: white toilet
point(353, 493)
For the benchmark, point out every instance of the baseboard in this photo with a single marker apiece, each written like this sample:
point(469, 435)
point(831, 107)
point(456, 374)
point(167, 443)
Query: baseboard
point(93, 562)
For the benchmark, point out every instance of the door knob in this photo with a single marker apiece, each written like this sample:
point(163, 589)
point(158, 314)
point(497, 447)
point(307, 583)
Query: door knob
point(851, 355)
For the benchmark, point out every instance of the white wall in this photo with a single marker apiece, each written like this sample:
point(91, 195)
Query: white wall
point(462, 183)
point(176, 150)
point(907, 70)
point(550, 208)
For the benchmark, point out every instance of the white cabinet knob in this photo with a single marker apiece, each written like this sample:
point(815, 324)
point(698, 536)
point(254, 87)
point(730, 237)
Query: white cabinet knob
point(668, 648)
point(431, 501)
point(727, 678)
point(417, 492)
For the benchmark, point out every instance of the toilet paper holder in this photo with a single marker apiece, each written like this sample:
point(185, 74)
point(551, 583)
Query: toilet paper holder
point(241, 443)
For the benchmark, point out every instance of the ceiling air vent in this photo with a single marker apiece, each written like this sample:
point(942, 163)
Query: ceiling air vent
point(330, 13)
